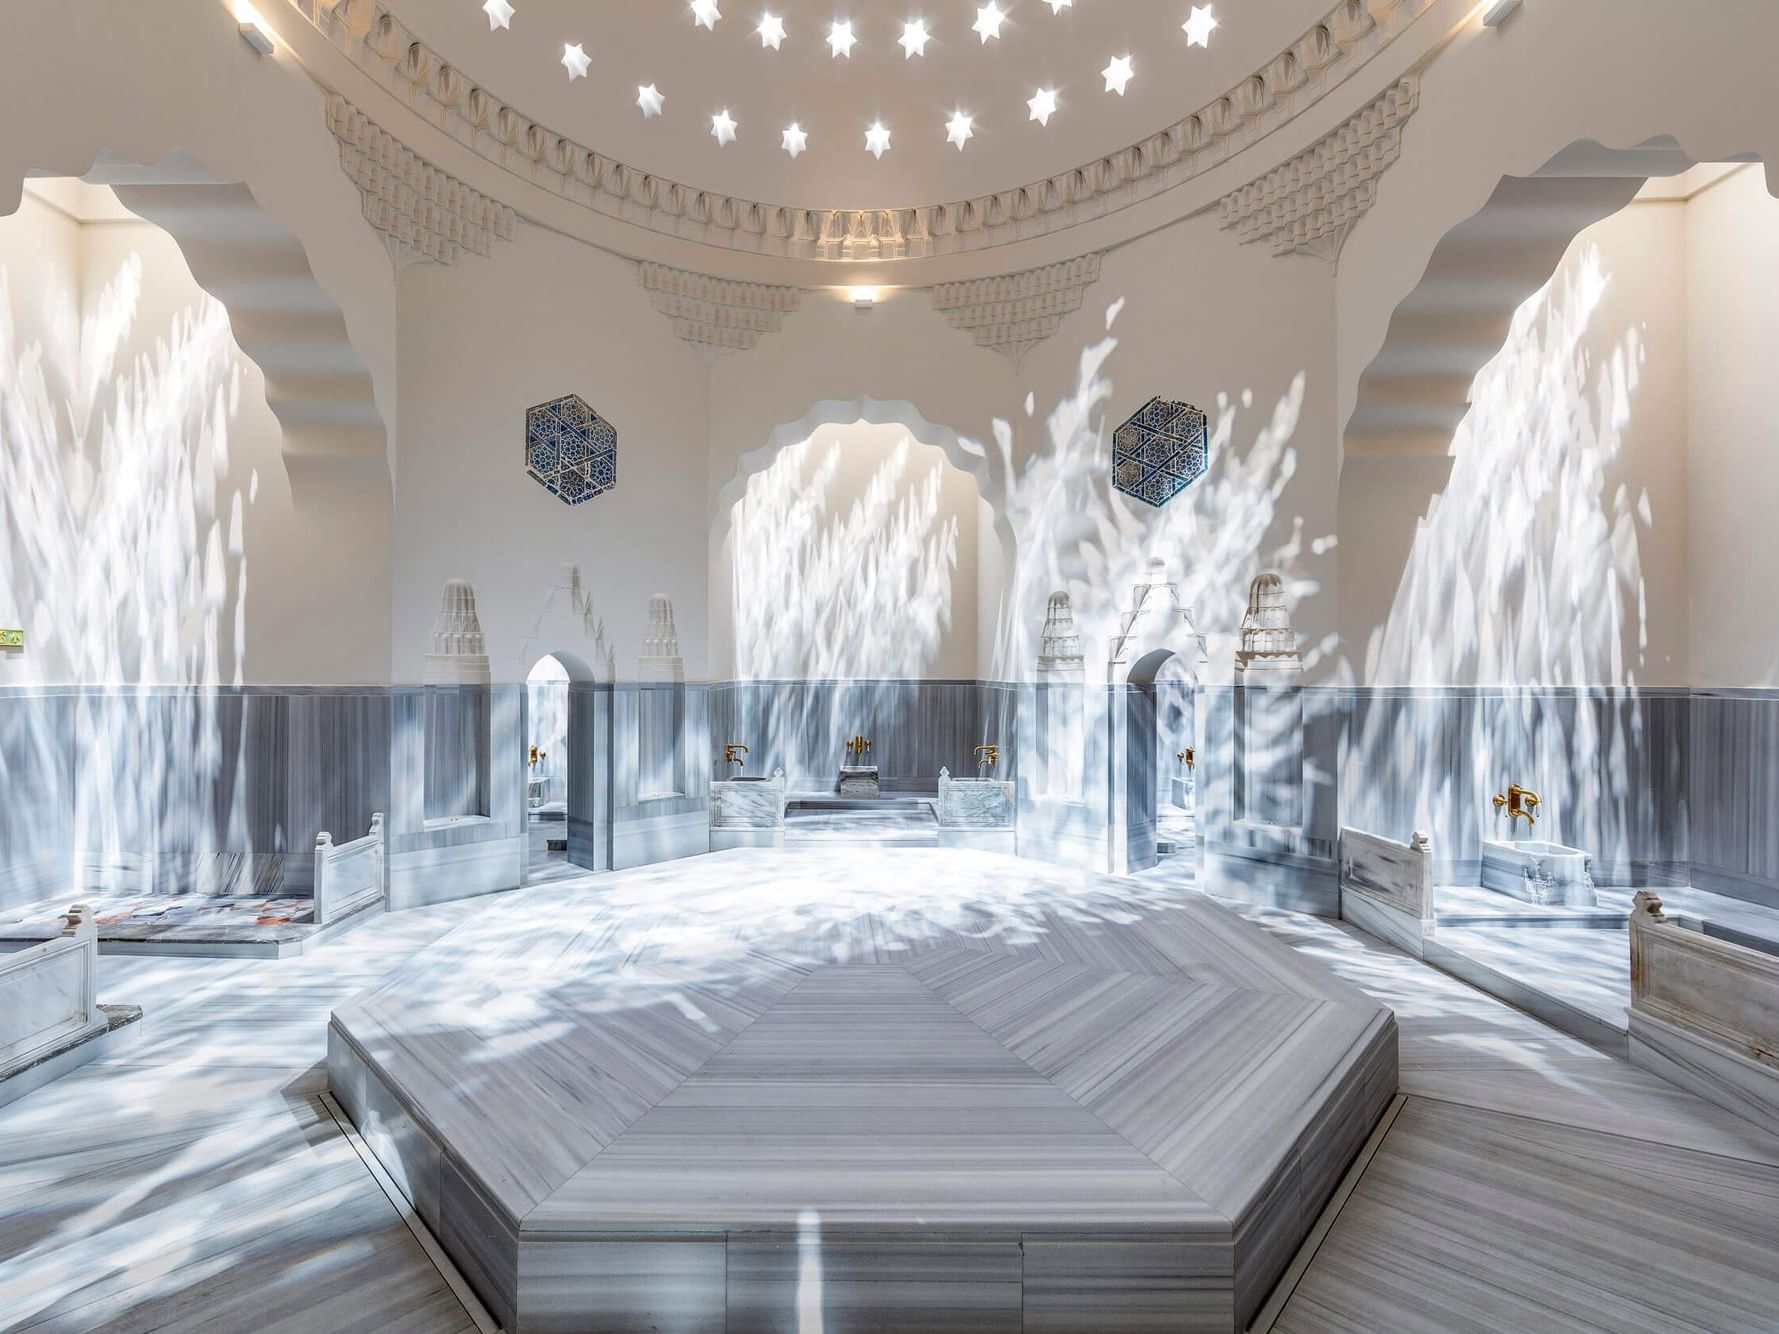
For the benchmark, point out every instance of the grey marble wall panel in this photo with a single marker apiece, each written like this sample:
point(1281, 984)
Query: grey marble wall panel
point(589, 775)
point(36, 793)
point(916, 728)
point(457, 752)
point(1733, 793)
point(336, 770)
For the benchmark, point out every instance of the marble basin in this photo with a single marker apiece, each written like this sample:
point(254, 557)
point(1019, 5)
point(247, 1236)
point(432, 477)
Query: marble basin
point(1538, 872)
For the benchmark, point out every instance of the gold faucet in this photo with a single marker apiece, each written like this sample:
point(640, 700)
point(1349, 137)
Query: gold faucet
point(1187, 757)
point(858, 746)
point(537, 756)
point(990, 755)
point(732, 753)
point(1519, 803)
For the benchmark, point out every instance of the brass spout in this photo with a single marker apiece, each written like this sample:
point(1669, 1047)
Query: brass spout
point(536, 757)
point(732, 753)
point(1519, 803)
point(989, 756)
point(858, 746)
point(1187, 757)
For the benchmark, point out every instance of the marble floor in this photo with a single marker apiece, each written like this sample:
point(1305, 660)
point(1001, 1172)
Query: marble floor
point(194, 1180)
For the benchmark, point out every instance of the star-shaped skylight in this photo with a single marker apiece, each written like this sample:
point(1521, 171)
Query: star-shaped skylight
point(649, 98)
point(499, 12)
point(1043, 105)
point(705, 12)
point(1198, 26)
point(988, 20)
point(841, 39)
point(722, 127)
point(914, 38)
point(959, 129)
point(575, 61)
point(877, 140)
point(795, 140)
point(771, 31)
point(1117, 74)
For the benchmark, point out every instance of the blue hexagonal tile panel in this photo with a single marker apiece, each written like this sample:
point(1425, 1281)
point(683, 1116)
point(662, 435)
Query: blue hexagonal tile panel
point(570, 450)
point(1160, 451)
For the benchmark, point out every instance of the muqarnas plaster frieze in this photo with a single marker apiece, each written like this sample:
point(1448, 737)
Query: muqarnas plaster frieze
point(570, 450)
point(1160, 451)
point(1014, 313)
point(1307, 206)
point(1321, 58)
point(422, 212)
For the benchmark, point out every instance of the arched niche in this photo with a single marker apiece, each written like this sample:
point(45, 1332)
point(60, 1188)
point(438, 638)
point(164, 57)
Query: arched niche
point(965, 455)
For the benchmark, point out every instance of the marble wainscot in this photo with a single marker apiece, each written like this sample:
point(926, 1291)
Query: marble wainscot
point(1705, 1009)
point(1386, 888)
point(1538, 872)
point(747, 812)
point(50, 1019)
point(858, 782)
point(975, 813)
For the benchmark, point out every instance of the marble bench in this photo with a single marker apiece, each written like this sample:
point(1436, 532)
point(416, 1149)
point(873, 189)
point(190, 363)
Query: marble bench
point(349, 876)
point(50, 1020)
point(1386, 888)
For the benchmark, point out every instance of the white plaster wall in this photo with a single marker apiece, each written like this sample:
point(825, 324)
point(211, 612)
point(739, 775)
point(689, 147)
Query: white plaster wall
point(1732, 436)
point(1556, 554)
point(151, 533)
point(482, 341)
point(854, 554)
point(1186, 313)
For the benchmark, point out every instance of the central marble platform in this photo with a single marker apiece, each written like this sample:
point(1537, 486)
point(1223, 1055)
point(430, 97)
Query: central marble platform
point(935, 1090)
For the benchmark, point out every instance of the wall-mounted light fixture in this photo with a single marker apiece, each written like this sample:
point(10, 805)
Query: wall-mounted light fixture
point(251, 31)
point(1499, 12)
point(863, 298)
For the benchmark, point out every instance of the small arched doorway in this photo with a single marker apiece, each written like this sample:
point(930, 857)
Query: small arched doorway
point(564, 835)
point(1160, 715)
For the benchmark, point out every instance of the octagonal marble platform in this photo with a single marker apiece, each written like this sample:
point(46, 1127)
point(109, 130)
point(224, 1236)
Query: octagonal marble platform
point(885, 1089)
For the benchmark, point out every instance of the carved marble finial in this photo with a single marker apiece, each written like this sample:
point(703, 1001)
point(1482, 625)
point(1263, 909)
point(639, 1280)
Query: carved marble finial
point(323, 841)
point(1420, 841)
point(1268, 642)
point(376, 824)
point(944, 774)
point(1648, 904)
point(79, 921)
point(660, 659)
point(459, 656)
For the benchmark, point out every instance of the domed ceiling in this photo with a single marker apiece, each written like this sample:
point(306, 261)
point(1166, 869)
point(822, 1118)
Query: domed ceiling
point(910, 70)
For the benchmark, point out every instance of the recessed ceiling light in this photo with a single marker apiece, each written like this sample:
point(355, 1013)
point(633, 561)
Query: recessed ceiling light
point(795, 140)
point(499, 12)
point(877, 140)
point(1198, 26)
point(840, 38)
point(989, 19)
point(706, 13)
point(914, 38)
point(722, 127)
point(1043, 104)
point(1057, 6)
point(649, 98)
point(575, 61)
point(959, 129)
point(771, 30)
point(1118, 74)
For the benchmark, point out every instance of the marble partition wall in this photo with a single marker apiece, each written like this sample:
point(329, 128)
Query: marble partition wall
point(660, 773)
point(916, 728)
point(36, 792)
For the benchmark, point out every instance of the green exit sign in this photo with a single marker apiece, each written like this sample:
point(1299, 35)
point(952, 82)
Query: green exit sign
point(12, 638)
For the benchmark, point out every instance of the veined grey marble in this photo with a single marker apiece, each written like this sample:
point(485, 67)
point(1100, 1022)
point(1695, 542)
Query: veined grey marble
point(1386, 887)
point(966, 1088)
point(859, 782)
point(974, 803)
point(1705, 1010)
point(48, 994)
point(1539, 872)
point(747, 813)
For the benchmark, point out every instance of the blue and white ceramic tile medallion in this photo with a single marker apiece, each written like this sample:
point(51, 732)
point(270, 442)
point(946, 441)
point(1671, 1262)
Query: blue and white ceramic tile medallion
point(1160, 451)
point(570, 449)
